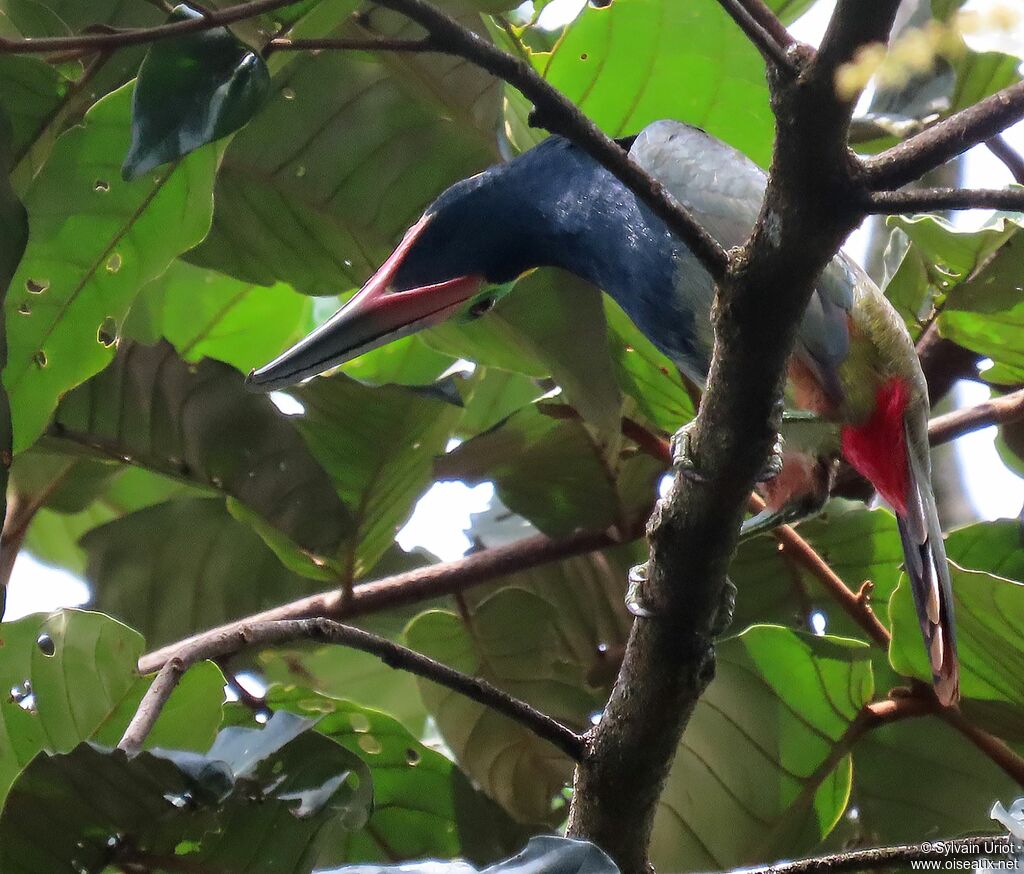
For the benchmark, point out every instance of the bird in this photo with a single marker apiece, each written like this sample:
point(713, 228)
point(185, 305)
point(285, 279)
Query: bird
point(855, 388)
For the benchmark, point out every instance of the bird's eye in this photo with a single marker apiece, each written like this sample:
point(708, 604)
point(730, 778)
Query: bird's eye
point(482, 306)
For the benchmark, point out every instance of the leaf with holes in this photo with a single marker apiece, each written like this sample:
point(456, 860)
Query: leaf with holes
point(257, 802)
point(205, 314)
point(200, 424)
point(311, 194)
point(94, 241)
point(191, 91)
point(423, 804)
point(71, 677)
point(622, 65)
point(178, 567)
point(764, 769)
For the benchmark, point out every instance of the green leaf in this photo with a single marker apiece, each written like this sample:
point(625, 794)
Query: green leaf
point(636, 61)
point(989, 614)
point(72, 677)
point(493, 396)
point(30, 91)
point(764, 768)
point(553, 324)
point(94, 241)
point(311, 194)
point(552, 472)
point(378, 446)
point(205, 314)
point(199, 424)
point(175, 568)
point(423, 804)
point(191, 91)
point(258, 801)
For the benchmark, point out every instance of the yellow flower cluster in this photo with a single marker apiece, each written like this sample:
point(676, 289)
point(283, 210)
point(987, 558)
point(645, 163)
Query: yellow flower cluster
point(916, 50)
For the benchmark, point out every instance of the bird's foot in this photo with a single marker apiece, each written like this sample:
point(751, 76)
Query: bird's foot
point(773, 466)
point(635, 602)
point(681, 450)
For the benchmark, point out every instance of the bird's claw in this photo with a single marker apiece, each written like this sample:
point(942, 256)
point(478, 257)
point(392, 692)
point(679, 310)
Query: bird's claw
point(634, 596)
point(773, 466)
point(681, 449)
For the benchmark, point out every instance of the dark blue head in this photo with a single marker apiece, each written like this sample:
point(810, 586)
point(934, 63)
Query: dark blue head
point(552, 206)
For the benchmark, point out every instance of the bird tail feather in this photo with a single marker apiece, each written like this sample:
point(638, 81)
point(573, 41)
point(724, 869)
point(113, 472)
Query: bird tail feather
point(928, 571)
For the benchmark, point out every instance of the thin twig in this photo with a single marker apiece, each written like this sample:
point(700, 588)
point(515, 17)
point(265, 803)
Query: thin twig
point(555, 112)
point(945, 140)
point(411, 587)
point(934, 199)
point(140, 35)
point(995, 411)
point(994, 748)
point(260, 635)
point(892, 857)
point(764, 41)
point(763, 15)
point(370, 44)
point(1006, 153)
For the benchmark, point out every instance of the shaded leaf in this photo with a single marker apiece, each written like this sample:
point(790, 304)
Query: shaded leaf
point(423, 804)
point(258, 801)
point(764, 768)
point(175, 568)
point(94, 241)
point(205, 314)
point(198, 423)
point(191, 91)
point(72, 677)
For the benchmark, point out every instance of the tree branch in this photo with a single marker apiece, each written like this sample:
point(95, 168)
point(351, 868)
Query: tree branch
point(948, 138)
point(433, 581)
point(934, 199)
point(994, 748)
point(891, 857)
point(136, 36)
point(1006, 153)
point(766, 43)
point(995, 411)
point(394, 655)
point(369, 44)
point(558, 114)
point(943, 362)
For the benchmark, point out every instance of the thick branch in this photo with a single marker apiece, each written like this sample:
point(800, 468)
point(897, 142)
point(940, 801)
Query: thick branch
point(935, 199)
point(766, 43)
point(996, 411)
point(136, 36)
point(558, 114)
point(892, 857)
point(275, 633)
point(945, 140)
point(433, 581)
point(1010, 157)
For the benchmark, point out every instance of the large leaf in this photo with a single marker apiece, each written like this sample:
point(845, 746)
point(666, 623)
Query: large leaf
point(318, 188)
point(94, 241)
point(423, 804)
point(191, 91)
point(175, 568)
point(205, 314)
point(198, 423)
point(72, 677)
point(764, 768)
point(31, 90)
point(257, 801)
point(636, 61)
point(552, 472)
point(378, 445)
point(990, 619)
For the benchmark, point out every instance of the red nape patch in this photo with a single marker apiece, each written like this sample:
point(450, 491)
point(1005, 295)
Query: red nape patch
point(877, 449)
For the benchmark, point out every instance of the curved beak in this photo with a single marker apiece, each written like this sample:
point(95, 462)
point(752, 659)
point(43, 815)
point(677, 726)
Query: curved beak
point(373, 317)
